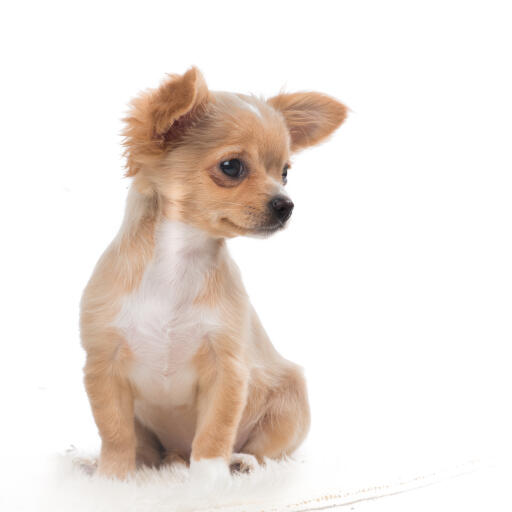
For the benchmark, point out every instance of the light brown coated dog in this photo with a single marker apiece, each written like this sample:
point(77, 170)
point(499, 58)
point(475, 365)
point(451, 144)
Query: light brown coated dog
point(178, 364)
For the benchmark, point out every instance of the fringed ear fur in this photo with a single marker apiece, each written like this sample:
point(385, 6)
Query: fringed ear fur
point(310, 116)
point(160, 116)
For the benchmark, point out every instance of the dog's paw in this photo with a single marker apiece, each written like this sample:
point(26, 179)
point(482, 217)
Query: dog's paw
point(120, 466)
point(173, 459)
point(214, 471)
point(243, 463)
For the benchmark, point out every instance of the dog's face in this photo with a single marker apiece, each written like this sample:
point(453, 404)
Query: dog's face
point(219, 161)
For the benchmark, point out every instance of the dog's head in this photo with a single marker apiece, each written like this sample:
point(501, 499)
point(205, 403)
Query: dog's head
point(217, 160)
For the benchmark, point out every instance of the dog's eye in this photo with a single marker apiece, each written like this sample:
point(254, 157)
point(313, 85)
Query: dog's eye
point(285, 173)
point(233, 168)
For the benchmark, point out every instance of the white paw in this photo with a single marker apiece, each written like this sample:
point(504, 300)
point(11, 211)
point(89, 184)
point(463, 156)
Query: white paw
point(243, 463)
point(214, 471)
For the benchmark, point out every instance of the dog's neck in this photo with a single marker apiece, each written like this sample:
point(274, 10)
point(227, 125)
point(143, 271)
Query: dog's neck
point(145, 224)
point(176, 240)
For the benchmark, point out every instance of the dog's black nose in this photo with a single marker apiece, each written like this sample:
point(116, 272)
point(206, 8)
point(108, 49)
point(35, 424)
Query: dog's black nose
point(282, 207)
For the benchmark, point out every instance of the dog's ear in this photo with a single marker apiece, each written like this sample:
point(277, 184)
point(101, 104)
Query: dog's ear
point(158, 117)
point(310, 116)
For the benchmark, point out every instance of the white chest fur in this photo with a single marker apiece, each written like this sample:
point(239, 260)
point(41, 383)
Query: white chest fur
point(161, 321)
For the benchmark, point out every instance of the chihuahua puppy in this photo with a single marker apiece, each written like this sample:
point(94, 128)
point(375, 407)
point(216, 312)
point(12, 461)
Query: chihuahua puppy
point(178, 365)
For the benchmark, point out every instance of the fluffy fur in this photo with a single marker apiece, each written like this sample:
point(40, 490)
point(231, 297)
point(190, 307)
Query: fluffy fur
point(285, 485)
point(178, 365)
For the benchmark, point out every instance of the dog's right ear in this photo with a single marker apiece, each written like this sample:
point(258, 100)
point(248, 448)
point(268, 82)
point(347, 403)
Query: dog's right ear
point(160, 116)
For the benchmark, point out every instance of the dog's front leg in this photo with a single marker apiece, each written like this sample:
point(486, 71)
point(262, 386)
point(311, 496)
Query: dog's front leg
point(221, 401)
point(111, 401)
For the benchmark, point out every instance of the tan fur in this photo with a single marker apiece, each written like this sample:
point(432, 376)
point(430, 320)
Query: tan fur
point(310, 117)
point(247, 397)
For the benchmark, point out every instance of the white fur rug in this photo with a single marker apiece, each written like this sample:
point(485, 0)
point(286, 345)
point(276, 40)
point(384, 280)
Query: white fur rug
point(289, 485)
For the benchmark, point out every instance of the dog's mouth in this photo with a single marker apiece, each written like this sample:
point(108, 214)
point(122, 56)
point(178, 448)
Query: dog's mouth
point(263, 230)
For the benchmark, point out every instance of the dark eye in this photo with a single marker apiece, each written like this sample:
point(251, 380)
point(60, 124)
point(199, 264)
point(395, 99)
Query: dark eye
point(285, 173)
point(233, 168)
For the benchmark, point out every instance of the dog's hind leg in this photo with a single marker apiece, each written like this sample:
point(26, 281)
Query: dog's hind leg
point(285, 422)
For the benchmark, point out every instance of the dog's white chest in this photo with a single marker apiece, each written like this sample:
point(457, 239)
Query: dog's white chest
point(161, 321)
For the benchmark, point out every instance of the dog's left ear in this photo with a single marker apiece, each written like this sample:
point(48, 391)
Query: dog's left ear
point(310, 116)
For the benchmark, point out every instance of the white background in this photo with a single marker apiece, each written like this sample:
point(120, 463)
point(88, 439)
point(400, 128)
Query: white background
point(392, 285)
